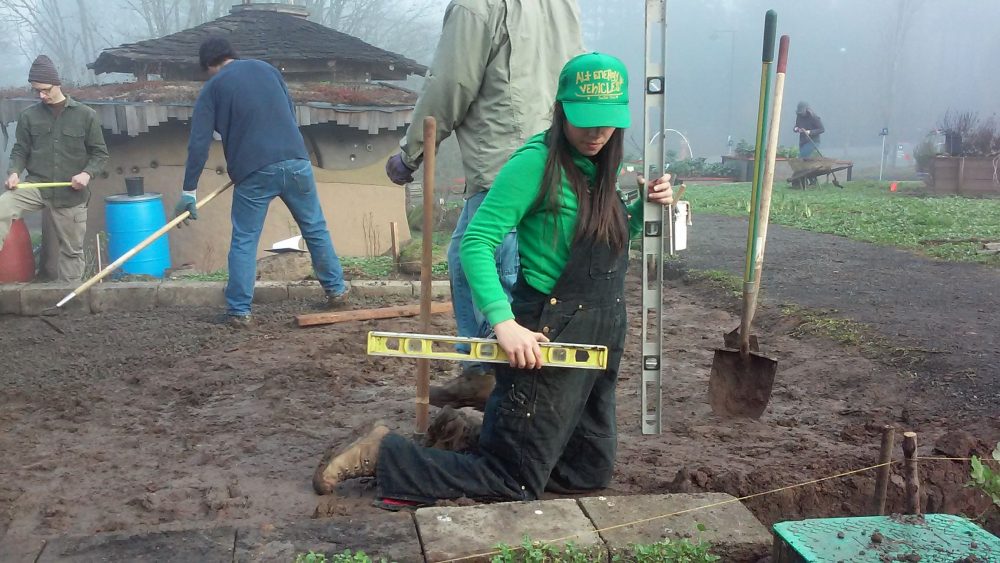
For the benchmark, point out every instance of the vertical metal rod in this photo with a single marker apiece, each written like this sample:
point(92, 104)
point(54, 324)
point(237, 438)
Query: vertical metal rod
point(423, 364)
point(881, 161)
point(882, 478)
point(911, 473)
point(654, 102)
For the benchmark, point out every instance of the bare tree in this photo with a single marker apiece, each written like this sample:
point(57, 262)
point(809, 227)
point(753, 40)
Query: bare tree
point(901, 20)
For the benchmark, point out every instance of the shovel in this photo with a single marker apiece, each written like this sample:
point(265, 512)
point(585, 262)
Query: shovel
point(741, 380)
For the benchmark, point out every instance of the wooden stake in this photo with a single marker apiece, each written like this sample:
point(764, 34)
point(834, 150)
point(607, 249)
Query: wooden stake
point(394, 245)
point(316, 319)
point(911, 474)
point(882, 480)
point(423, 364)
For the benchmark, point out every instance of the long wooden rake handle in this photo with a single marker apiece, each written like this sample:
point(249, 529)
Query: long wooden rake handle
point(138, 248)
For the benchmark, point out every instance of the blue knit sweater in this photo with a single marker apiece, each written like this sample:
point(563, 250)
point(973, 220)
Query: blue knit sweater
point(248, 103)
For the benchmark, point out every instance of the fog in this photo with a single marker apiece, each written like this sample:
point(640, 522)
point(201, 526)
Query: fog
point(862, 65)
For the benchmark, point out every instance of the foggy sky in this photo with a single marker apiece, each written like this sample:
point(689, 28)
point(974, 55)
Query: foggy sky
point(837, 62)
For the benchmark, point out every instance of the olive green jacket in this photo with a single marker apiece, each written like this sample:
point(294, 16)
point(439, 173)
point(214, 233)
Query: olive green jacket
point(56, 149)
point(493, 79)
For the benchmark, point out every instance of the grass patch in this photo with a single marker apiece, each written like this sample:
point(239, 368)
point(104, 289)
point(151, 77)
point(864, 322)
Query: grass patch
point(721, 279)
point(948, 228)
point(873, 345)
point(368, 267)
point(825, 325)
point(218, 275)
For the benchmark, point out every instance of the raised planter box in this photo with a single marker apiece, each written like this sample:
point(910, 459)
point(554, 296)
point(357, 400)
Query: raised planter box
point(973, 176)
point(742, 167)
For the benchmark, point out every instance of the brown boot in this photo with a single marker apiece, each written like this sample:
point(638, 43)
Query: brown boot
point(471, 389)
point(355, 460)
point(454, 430)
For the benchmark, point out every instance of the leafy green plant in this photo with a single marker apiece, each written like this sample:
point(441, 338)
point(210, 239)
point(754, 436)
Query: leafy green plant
point(671, 551)
point(311, 557)
point(347, 556)
point(787, 152)
point(986, 479)
point(667, 551)
point(744, 149)
point(538, 552)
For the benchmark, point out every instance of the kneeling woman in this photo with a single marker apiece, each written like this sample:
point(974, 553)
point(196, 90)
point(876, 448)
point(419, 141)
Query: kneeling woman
point(544, 428)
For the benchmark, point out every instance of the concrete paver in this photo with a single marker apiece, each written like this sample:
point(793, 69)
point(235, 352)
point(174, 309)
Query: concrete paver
point(191, 294)
point(392, 536)
point(366, 288)
point(10, 299)
point(124, 296)
point(305, 290)
point(735, 534)
point(270, 292)
point(205, 546)
point(20, 549)
point(37, 297)
point(452, 532)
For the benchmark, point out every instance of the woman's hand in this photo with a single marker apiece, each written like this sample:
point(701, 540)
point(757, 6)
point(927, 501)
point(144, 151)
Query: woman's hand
point(520, 344)
point(659, 190)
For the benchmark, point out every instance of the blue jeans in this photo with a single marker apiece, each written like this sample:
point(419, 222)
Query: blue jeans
point(469, 319)
point(292, 181)
point(806, 150)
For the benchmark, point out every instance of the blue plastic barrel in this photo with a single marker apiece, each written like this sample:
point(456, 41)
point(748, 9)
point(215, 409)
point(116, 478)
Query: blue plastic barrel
point(130, 219)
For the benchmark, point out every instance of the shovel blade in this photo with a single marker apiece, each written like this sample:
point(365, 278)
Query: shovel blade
point(731, 339)
point(738, 386)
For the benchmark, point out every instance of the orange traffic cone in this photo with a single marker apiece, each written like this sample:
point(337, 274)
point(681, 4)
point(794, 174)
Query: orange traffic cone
point(17, 262)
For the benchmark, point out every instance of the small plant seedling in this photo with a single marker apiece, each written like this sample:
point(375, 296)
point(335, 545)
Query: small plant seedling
point(986, 479)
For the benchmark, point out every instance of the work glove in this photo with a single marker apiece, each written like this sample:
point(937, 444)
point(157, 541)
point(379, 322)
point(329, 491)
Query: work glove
point(397, 170)
point(188, 202)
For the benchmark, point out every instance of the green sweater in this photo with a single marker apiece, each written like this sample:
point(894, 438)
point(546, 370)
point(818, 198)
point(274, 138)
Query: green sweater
point(510, 204)
point(54, 149)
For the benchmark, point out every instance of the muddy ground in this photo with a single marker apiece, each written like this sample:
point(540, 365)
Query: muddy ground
point(171, 419)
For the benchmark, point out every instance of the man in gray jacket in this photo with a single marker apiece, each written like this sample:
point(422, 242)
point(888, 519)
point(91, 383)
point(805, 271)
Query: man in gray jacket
point(492, 82)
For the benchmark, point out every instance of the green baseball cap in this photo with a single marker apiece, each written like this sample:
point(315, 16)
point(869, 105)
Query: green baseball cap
point(593, 89)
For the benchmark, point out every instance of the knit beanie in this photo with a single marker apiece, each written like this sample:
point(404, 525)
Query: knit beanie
point(43, 71)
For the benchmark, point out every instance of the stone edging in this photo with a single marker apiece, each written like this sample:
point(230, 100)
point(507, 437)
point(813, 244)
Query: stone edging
point(33, 298)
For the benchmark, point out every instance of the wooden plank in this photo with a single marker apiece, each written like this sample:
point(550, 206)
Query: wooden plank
point(315, 319)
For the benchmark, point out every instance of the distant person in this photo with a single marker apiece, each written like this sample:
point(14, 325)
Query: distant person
point(247, 102)
point(491, 82)
point(809, 127)
point(57, 140)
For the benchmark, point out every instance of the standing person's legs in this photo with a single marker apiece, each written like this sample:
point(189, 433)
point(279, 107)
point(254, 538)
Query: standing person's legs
point(299, 195)
point(251, 199)
point(71, 226)
point(14, 204)
point(467, 318)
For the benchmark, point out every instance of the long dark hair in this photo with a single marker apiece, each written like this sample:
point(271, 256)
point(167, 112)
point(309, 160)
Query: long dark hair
point(600, 217)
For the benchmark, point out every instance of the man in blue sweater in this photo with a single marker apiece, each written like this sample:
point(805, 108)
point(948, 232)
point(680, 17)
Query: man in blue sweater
point(248, 104)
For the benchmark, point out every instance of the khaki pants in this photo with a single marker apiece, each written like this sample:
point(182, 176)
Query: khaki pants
point(70, 224)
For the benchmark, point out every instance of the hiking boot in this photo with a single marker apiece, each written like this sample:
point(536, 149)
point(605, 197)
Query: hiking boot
point(239, 321)
point(355, 460)
point(337, 301)
point(471, 389)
